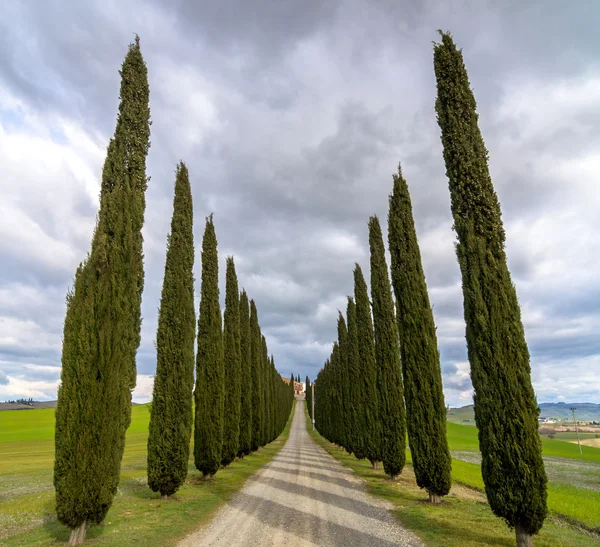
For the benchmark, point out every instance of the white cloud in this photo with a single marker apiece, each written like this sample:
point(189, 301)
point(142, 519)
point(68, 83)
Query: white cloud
point(292, 146)
point(143, 389)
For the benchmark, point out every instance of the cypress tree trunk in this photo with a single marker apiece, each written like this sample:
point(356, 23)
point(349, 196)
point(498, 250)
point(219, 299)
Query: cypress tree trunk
point(354, 393)
point(208, 433)
point(505, 406)
point(246, 374)
point(102, 323)
point(392, 419)
point(367, 378)
point(257, 381)
point(232, 366)
point(423, 392)
point(171, 412)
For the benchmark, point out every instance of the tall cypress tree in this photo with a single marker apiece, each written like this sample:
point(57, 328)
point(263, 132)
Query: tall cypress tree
point(246, 375)
point(367, 379)
point(392, 419)
point(209, 397)
point(344, 381)
point(266, 390)
point(308, 396)
point(257, 380)
point(423, 392)
point(232, 366)
point(334, 395)
point(275, 403)
point(353, 410)
point(505, 405)
point(102, 323)
point(171, 413)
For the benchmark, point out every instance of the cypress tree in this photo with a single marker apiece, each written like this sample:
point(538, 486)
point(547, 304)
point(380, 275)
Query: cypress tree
point(344, 381)
point(505, 406)
point(355, 398)
point(102, 322)
point(232, 366)
point(246, 375)
point(334, 395)
point(209, 397)
point(257, 380)
point(367, 379)
point(274, 402)
point(309, 397)
point(423, 392)
point(266, 390)
point(171, 412)
point(392, 419)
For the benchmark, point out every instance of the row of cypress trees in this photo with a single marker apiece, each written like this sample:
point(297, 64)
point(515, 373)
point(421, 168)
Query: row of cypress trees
point(361, 417)
point(360, 393)
point(241, 402)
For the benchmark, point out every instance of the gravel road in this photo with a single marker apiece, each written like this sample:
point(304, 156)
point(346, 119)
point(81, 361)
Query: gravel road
point(302, 498)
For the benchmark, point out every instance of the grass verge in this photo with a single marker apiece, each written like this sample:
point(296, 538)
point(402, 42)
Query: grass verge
point(137, 517)
point(464, 519)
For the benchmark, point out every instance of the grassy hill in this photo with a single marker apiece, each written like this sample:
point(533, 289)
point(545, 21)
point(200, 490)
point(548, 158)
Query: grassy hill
point(33, 406)
point(463, 414)
point(586, 412)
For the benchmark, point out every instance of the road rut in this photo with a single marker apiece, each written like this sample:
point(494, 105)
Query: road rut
point(302, 498)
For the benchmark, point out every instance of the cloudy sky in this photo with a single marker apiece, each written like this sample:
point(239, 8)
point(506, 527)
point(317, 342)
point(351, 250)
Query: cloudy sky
point(292, 117)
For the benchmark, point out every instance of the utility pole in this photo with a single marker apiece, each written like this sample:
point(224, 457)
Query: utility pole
point(573, 409)
point(312, 400)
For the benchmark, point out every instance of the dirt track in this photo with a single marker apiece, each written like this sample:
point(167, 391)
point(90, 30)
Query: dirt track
point(302, 498)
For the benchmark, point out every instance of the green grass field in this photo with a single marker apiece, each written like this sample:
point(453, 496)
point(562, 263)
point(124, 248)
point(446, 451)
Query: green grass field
point(138, 515)
point(464, 519)
point(574, 487)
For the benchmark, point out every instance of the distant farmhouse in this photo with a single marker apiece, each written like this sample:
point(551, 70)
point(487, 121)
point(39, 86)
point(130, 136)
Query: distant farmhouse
point(298, 386)
point(545, 420)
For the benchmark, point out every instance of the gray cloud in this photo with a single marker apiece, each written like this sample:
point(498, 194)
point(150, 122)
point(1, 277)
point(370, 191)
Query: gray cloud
point(292, 119)
point(4, 381)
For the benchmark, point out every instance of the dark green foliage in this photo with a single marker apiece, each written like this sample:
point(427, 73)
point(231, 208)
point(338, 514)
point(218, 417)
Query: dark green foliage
point(257, 379)
point(209, 397)
point(353, 413)
point(391, 417)
point(343, 377)
point(266, 392)
point(505, 406)
point(423, 392)
point(171, 412)
point(309, 397)
point(232, 366)
point(368, 421)
point(335, 411)
point(272, 399)
point(102, 323)
point(246, 378)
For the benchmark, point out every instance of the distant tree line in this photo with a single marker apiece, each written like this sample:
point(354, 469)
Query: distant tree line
point(383, 376)
point(239, 402)
point(29, 402)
